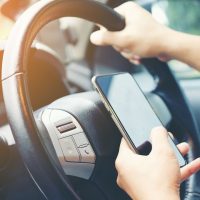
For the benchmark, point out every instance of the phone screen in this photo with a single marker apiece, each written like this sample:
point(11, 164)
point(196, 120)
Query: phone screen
point(132, 110)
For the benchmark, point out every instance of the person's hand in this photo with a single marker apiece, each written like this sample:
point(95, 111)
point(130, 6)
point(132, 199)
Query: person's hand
point(156, 176)
point(142, 36)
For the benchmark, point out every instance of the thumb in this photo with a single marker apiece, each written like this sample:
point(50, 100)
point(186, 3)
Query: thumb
point(103, 37)
point(124, 147)
point(124, 155)
point(160, 140)
point(125, 151)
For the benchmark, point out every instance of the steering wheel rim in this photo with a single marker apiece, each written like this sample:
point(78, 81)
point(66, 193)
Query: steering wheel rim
point(14, 80)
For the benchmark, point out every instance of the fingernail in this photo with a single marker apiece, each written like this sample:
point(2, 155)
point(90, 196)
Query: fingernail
point(159, 130)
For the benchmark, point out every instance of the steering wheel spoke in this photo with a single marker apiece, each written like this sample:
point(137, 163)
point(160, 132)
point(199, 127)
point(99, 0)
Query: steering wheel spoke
point(71, 144)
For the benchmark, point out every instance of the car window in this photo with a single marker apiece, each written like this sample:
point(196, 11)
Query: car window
point(184, 16)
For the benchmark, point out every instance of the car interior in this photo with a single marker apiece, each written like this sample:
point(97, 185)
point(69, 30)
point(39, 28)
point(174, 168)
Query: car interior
point(57, 141)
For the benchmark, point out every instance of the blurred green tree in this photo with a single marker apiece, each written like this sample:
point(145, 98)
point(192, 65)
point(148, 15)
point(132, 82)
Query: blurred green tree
point(184, 15)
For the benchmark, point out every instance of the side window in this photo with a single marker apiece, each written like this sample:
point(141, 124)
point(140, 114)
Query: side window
point(182, 16)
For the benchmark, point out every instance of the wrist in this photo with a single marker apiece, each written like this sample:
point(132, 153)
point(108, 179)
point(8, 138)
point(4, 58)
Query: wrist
point(166, 38)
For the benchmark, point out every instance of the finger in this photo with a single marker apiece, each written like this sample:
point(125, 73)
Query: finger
point(190, 169)
point(159, 135)
point(118, 48)
point(164, 58)
point(183, 148)
point(135, 59)
point(135, 62)
point(128, 51)
point(124, 154)
point(128, 6)
point(130, 55)
point(126, 55)
point(103, 37)
point(159, 139)
point(120, 10)
point(124, 146)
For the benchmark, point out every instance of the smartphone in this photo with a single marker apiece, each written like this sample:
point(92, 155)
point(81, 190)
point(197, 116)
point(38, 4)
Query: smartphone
point(131, 111)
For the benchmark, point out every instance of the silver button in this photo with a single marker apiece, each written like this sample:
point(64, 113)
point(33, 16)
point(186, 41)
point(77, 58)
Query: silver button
point(80, 140)
point(69, 149)
point(87, 154)
point(66, 127)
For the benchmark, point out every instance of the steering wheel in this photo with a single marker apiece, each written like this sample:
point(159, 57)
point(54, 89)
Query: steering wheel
point(73, 136)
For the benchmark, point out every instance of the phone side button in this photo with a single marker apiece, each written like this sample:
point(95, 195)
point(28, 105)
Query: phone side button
point(112, 116)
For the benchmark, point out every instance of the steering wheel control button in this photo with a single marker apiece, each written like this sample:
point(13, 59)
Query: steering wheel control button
point(84, 147)
point(66, 127)
point(72, 148)
point(87, 154)
point(80, 140)
point(64, 124)
point(69, 149)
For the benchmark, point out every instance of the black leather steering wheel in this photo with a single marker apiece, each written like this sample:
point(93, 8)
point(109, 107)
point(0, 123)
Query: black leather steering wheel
point(39, 158)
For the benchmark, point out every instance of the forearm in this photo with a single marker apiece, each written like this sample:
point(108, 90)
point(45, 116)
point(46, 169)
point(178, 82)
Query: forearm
point(183, 47)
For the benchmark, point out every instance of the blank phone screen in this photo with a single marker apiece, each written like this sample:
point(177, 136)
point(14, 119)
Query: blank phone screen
point(132, 110)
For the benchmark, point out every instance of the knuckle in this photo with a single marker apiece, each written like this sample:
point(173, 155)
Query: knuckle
point(119, 181)
point(190, 171)
point(117, 163)
point(168, 151)
point(129, 4)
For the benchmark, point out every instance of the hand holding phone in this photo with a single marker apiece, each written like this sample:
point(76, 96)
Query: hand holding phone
point(131, 111)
